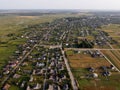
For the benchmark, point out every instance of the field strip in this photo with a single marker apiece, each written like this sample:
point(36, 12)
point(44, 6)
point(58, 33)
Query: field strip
point(109, 61)
point(117, 54)
point(113, 58)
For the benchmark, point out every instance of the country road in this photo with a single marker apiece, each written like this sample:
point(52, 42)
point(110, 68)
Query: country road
point(74, 84)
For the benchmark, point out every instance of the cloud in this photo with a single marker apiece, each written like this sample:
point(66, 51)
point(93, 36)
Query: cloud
point(60, 4)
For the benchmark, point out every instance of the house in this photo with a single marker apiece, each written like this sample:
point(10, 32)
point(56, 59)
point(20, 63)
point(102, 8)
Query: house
point(13, 65)
point(1, 76)
point(6, 87)
point(6, 72)
point(55, 87)
point(50, 87)
point(91, 69)
point(95, 75)
point(31, 78)
point(64, 77)
point(33, 72)
point(104, 68)
point(37, 87)
point(106, 73)
point(40, 64)
point(28, 88)
point(113, 68)
point(25, 64)
point(17, 52)
point(51, 78)
point(65, 87)
point(16, 76)
point(23, 84)
point(27, 71)
point(52, 64)
point(51, 71)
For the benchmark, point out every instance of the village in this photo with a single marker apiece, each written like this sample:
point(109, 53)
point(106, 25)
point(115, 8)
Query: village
point(46, 61)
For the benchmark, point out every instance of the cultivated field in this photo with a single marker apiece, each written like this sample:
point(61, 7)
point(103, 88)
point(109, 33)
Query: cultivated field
point(85, 61)
point(113, 56)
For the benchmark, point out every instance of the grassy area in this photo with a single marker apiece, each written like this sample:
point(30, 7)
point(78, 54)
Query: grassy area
point(69, 52)
point(9, 33)
point(14, 88)
point(7, 49)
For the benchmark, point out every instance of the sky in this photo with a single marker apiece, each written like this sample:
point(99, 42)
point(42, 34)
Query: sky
point(61, 4)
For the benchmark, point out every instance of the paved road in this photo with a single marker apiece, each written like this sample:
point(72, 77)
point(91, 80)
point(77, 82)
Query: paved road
point(74, 84)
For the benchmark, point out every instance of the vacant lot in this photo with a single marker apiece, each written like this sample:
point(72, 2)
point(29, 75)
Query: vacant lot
point(85, 60)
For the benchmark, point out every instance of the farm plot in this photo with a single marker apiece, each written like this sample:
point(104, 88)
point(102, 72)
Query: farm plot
point(83, 60)
point(113, 56)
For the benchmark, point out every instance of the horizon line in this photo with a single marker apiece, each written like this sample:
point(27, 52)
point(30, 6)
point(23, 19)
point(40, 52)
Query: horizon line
point(64, 9)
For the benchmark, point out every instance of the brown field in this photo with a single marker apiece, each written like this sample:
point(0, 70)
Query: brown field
point(99, 88)
point(29, 17)
point(87, 37)
point(114, 57)
point(84, 61)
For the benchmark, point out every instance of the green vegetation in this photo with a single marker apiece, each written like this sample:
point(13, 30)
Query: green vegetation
point(69, 52)
point(14, 88)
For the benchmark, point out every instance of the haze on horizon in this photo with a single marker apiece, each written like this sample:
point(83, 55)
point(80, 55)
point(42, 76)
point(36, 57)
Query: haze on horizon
point(61, 4)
